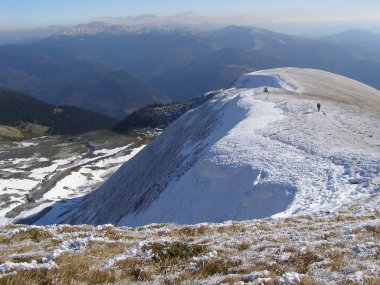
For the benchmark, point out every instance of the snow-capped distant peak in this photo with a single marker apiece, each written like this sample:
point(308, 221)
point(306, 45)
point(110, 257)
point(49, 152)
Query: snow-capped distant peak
point(94, 28)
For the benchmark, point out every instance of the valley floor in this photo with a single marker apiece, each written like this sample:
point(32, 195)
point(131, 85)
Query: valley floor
point(339, 248)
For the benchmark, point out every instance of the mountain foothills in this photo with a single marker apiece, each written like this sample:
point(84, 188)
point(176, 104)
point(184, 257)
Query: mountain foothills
point(35, 117)
point(117, 62)
point(258, 149)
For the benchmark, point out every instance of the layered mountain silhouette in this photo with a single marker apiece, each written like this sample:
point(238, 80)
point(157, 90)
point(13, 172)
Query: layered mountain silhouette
point(179, 63)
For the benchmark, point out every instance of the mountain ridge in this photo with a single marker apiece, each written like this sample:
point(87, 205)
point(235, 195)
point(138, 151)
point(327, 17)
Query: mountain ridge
point(249, 154)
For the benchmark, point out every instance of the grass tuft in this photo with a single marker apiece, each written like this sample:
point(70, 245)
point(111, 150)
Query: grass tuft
point(34, 234)
point(175, 250)
point(373, 229)
point(216, 266)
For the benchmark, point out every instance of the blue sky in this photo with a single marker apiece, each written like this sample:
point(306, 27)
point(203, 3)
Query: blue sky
point(269, 13)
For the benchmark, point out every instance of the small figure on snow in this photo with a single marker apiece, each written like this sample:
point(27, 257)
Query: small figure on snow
point(266, 90)
point(318, 106)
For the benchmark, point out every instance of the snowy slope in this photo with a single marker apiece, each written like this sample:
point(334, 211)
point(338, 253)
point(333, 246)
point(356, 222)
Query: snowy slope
point(247, 154)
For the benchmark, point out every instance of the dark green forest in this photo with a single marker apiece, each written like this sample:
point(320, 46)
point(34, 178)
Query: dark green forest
point(17, 108)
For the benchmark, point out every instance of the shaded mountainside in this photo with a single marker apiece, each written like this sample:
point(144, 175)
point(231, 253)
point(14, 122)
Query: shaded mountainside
point(17, 108)
point(159, 115)
point(213, 71)
point(115, 94)
point(248, 154)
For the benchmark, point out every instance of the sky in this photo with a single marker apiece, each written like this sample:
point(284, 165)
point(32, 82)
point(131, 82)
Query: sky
point(292, 16)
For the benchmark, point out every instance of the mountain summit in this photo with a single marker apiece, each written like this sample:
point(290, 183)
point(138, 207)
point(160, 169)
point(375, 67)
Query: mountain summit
point(248, 153)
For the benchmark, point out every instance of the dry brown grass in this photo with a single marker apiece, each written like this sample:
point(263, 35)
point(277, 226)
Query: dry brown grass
point(307, 280)
point(114, 234)
point(26, 258)
point(176, 250)
point(135, 269)
point(329, 235)
point(216, 266)
point(74, 229)
point(34, 234)
point(5, 239)
point(104, 250)
point(263, 228)
point(17, 249)
point(337, 260)
point(79, 268)
point(371, 280)
point(232, 228)
point(375, 230)
point(10, 132)
point(300, 262)
point(52, 243)
point(30, 277)
point(242, 246)
point(289, 249)
point(187, 232)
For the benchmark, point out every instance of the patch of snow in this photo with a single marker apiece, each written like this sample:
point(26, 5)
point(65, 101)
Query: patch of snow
point(17, 184)
point(205, 257)
point(7, 267)
point(290, 278)
point(25, 144)
point(66, 187)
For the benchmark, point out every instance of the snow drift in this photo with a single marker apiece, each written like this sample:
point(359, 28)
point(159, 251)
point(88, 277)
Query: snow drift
point(248, 154)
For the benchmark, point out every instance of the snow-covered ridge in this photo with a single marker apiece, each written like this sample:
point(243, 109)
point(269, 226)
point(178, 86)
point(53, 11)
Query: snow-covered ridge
point(311, 82)
point(248, 154)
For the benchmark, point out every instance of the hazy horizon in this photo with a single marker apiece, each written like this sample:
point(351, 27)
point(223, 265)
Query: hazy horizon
point(294, 17)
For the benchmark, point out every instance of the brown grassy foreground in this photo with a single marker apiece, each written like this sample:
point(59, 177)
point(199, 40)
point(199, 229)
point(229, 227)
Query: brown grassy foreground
point(324, 249)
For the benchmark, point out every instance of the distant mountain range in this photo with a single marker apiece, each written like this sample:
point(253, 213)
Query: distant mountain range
point(17, 109)
point(365, 44)
point(115, 69)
